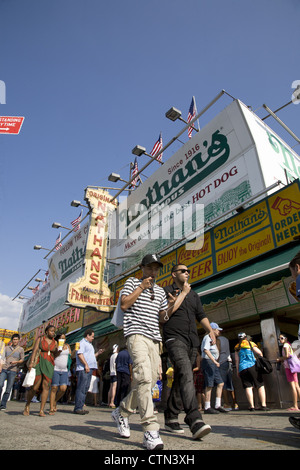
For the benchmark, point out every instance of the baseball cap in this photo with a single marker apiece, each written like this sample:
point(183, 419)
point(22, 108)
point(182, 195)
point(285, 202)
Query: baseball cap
point(215, 326)
point(148, 259)
point(242, 335)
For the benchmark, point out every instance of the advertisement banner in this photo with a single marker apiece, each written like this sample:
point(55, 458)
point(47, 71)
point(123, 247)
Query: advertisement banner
point(92, 288)
point(65, 265)
point(215, 171)
point(267, 225)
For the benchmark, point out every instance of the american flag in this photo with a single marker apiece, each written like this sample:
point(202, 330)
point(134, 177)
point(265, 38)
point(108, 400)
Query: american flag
point(58, 245)
point(191, 115)
point(157, 147)
point(134, 172)
point(34, 291)
point(46, 278)
point(76, 223)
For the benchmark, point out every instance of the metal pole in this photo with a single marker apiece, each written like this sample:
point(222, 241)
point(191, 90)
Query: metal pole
point(281, 123)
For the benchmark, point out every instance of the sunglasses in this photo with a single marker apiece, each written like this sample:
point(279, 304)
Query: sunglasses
point(182, 271)
point(152, 293)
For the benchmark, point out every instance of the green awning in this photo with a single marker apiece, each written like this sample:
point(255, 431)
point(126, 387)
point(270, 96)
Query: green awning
point(261, 271)
point(102, 328)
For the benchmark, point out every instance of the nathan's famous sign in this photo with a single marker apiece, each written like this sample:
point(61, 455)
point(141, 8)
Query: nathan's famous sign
point(92, 289)
point(267, 225)
point(222, 166)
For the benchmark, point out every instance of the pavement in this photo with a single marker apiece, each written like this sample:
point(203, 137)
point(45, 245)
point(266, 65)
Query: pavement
point(234, 431)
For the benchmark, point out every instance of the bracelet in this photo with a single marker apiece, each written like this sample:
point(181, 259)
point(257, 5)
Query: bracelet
point(141, 287)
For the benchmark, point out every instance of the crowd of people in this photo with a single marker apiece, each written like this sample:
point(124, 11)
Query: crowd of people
point(153, 317)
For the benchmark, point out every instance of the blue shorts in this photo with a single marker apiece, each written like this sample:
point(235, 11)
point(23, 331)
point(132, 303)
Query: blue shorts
point(211, 373)
point(59, 378)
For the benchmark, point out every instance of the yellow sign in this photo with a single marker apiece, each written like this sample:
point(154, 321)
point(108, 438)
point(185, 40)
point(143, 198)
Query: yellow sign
point(91, 289)
point(285, 214)
point(5, 335)
point(65, 322)
point(261, 228)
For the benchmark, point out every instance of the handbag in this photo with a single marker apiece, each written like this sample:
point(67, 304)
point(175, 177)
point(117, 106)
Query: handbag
point(118, 315)
point(262, 365)
point(294, 363)
point(34, 364)
point(29, 379)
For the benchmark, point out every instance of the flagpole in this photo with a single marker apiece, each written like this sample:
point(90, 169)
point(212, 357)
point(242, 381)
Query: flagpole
point(196, 113)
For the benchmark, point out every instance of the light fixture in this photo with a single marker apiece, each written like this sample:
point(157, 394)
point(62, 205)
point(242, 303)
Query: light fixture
point(57, 225)
point(77, 204)
point(23, 297)
point(138, 150)
point(173, 114)
point(39, 247)
point(114, 177)
point(38, 279)
point(30, 288)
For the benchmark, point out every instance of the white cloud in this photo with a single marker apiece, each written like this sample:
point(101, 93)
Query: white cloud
point(9, 312)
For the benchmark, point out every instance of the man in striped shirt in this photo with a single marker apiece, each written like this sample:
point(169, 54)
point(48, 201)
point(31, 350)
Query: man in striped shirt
point(144, 304)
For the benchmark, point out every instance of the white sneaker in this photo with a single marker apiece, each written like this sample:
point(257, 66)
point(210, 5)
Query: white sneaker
point(152, 441)
point(122, 423)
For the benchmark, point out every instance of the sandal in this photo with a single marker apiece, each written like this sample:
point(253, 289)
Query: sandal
point(42, 414)
point(292, 409)
point(52, 412)
point(26, 411)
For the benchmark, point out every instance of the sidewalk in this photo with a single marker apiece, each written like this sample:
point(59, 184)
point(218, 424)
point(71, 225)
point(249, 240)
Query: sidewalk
point(236, 430)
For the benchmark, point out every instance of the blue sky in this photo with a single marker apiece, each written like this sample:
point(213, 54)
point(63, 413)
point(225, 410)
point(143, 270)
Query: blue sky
point(95, 78)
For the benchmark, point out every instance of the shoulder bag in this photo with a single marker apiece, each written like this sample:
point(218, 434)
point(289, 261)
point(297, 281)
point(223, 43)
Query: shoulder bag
point(262, 364)
point(293, 363)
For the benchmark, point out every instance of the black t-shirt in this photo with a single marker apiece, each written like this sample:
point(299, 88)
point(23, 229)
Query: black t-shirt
point(182, 323)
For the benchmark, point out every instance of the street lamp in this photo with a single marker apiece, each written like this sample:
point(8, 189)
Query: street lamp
point(173, 114)
point(77, 204)
point(39, 247)
point(57, 225)
point(138, 150)
point(114, 177)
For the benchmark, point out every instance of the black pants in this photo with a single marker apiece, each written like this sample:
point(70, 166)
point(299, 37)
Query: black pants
point(183, 390)
point(123, 384)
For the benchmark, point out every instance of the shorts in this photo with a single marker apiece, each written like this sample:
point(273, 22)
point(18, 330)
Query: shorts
point(60, 378)
point(113, 378)
point(226, 374)
point(290, 376)
point(211, 373)
point(250, 378)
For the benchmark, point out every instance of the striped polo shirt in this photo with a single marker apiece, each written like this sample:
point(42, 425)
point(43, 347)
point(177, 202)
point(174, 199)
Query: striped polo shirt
point(143, 316)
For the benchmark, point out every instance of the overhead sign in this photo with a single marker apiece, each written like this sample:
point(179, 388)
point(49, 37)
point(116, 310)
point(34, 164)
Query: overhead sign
point(232, 158)
point(267, 225)
point(10, 124)
point(92, 289)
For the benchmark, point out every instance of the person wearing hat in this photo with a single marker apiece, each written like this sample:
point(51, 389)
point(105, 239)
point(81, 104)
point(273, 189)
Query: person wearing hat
point(212, 376)
point(182, 342)
point(246, 370)
point(113, 377)
point(144, 303)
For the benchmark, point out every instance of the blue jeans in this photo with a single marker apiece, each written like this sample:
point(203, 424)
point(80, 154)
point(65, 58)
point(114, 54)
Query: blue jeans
point(83, 385)
point(183, 390)
point(10, 376)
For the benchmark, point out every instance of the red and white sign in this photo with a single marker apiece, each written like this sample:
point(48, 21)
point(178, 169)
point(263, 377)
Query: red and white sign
point(10, 124)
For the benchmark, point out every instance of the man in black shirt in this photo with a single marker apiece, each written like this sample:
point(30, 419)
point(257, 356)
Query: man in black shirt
point(182, 342)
